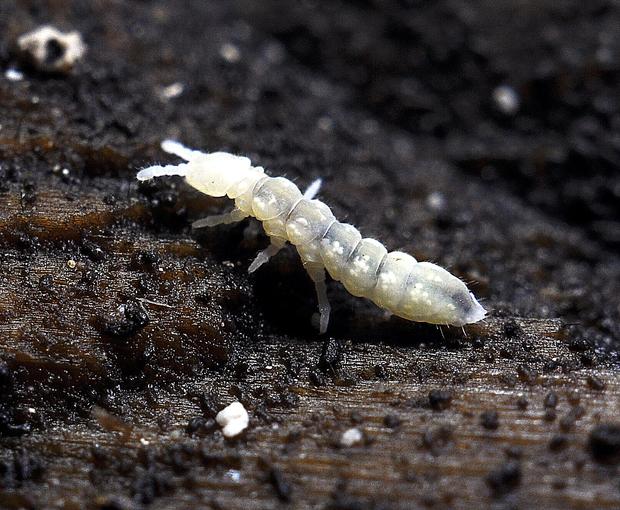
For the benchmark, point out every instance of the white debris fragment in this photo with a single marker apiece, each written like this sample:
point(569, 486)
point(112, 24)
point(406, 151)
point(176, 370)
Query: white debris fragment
point(351, 437)
point(171, 91)
point(506, 99)
point(233, 419)
point(230, 53)
point(13, 74)
point(234, 475)
point(435, 201)
point(50, 50)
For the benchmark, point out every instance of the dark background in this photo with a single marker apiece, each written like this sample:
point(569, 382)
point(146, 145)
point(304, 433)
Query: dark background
point(108, 400)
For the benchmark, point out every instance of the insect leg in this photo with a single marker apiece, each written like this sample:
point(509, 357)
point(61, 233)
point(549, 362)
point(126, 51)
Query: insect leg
point(218, 219)
point(317, 273)
point(313, 189)
point(277, 243)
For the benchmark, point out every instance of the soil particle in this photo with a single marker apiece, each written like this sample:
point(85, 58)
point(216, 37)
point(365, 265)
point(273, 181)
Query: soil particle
point(514, 452)
point(129, 318)
point(342, 499)
point(391, 421)
point(437, 439)
point(567, 422)
point(317, 378)
point(551, 400)
point(490, 420)
point(550, 414)
point(522, 403)
point(579, 344)
point(558, 442)
point(150, 484)
point(331, 355)
point(604, 443)
point(148, 258)
point(199, 425)
point(283, 489)
point(381, 372)
point(596, 383)
point(93, 251)
point(439, 400)
point(505, 478)
point(356, 418)
point(48, 50)
point(512, 329)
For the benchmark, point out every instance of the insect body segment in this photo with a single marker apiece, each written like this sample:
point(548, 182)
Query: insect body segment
point(395, 281)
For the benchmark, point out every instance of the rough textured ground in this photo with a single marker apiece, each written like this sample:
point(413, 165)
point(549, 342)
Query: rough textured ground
point(122, 331)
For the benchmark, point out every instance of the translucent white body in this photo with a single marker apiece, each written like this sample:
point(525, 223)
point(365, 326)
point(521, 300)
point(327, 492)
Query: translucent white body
point(395, 281)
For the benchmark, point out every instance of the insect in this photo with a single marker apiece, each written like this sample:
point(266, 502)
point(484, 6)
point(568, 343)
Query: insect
point(395, 281)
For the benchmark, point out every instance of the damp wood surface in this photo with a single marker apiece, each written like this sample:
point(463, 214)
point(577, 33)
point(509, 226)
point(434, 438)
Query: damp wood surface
point(123, 332)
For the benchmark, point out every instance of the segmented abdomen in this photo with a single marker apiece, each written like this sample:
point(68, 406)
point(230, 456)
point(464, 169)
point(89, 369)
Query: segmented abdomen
point(418, 291)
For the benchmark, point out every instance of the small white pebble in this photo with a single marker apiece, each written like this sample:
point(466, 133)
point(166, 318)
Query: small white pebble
point(506, 99)
point(32, 410)
point(233, 419)
point(230, 53)
point(12, 74)
point(144, 442)
point(51, 50)
point(171, 91)
point(435, 201)
point(234, 474)
point(351, 437)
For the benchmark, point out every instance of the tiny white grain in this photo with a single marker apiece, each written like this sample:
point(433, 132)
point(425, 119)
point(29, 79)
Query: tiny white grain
point(13, 74)
point(171, 91)
point(230, 53)
point(351, 437)
point(233, 419)
point(51, 50)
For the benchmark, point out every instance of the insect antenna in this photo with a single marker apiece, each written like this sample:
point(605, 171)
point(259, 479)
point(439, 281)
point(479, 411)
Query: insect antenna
point(172, 147)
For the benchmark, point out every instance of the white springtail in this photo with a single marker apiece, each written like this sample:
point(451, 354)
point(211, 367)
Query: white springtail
point(395, 281)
